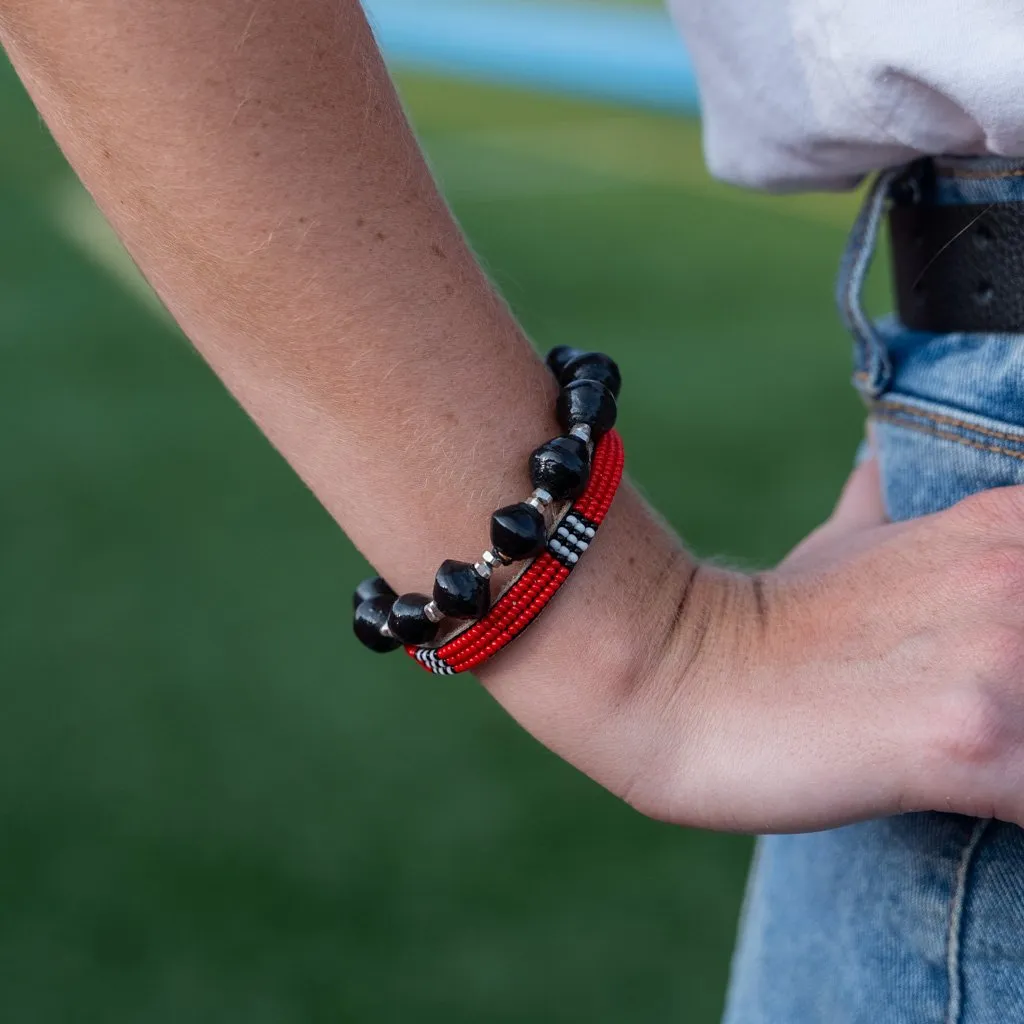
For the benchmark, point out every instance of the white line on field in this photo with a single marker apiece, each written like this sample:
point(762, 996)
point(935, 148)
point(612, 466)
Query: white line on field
point(76, 216)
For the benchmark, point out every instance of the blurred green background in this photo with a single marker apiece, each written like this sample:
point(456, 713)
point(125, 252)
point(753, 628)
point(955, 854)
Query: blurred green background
point(214, 806)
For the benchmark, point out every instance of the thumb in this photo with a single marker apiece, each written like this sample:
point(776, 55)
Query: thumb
point(860, 506)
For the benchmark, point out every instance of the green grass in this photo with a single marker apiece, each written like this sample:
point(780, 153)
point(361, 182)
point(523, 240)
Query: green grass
point(215, 807)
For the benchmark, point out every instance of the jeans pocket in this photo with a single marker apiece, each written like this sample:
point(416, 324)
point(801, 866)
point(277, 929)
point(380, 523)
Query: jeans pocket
point(951, 422)
point(932, 455)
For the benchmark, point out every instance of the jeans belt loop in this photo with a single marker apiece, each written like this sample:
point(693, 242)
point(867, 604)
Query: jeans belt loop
point(873, 371)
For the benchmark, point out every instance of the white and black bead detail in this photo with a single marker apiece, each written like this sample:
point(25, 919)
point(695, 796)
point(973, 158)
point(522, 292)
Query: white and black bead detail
point(431, 660)
point(572, 538)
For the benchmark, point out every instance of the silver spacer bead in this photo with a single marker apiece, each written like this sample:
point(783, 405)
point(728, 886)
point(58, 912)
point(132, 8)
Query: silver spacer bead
point(582, 431)
point(385, 631)
point(432, 612)
point(495, 558)
point(483, 570)
point(540, 499)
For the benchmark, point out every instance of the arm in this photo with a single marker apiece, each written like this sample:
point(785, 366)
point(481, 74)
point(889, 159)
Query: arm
point(256, 162)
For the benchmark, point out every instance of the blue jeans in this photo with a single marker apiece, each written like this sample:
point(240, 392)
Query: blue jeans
point(917, 919)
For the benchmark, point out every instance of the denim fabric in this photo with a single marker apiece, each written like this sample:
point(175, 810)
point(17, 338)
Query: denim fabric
point(917, 919)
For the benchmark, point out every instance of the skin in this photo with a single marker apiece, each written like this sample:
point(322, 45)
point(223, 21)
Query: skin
point(255, 160)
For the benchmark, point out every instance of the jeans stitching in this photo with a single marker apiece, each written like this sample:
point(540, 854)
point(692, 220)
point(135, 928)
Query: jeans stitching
point(956, 916)
point(947, 435)
point(951, 421)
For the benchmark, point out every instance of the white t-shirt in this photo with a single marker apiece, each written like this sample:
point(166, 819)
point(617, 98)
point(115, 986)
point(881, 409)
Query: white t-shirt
point(801, 94)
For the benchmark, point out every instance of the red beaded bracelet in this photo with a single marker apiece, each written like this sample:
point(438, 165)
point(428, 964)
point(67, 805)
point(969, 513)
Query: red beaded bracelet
point(530, 593)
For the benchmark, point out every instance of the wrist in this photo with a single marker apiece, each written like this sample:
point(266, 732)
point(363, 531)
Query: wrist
point(576, 679)
point(713, 646)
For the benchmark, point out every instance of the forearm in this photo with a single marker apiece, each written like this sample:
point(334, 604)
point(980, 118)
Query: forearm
point(255, 161)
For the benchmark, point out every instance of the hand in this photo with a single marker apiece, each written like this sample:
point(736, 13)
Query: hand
point(879, 669)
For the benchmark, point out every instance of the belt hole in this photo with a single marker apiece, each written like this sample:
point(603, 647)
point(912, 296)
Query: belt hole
point(983, 236)
point(984, 293)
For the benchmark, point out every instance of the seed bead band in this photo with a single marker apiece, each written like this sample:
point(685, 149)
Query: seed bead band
point(530, 594)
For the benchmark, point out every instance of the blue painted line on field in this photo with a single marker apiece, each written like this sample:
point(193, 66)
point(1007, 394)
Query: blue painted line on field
point(626, 55)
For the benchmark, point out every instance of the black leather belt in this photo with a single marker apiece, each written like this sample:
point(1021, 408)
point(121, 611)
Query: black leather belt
point(959, 268)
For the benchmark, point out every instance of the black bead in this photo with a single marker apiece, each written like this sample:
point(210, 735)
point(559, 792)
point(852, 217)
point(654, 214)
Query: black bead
point(518, 532)
point(561, 467)
point(559, 356)
point(408, 620)
point(370, 616)
point(586, 401)
point(373, 587)
point(460, 592)
point(593, 366)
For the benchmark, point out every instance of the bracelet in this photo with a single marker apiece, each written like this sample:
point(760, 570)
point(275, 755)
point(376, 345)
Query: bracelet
point(530, 592)
point(575, 477)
